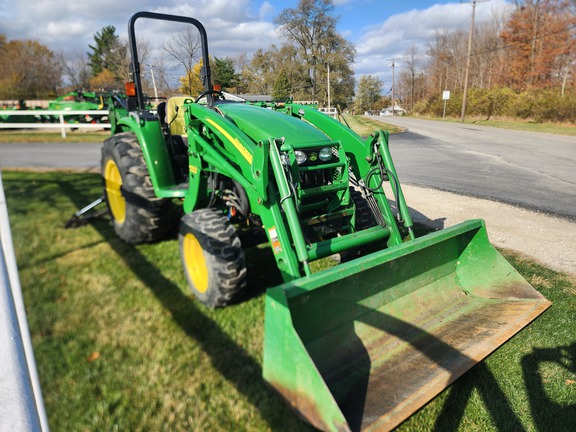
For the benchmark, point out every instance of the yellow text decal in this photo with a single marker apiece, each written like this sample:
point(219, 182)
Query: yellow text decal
point(235, 142)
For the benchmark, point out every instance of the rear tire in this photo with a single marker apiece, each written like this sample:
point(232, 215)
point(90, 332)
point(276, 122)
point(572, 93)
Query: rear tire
point(212, 257)
point(138, 216)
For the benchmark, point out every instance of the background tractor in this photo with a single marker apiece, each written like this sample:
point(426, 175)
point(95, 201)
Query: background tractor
point(360, 345)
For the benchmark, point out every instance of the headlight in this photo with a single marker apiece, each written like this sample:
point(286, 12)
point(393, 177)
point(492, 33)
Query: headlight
point(325, 154)
point(300, 157)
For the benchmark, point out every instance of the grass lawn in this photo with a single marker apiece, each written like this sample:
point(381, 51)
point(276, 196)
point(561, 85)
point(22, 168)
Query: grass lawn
point(553, 128)
point(364, 125)
point(516, 124)
point(120, 344)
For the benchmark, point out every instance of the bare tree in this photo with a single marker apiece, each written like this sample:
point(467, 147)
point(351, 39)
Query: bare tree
point(412, 60)
point(76, 70)
point(185, 48)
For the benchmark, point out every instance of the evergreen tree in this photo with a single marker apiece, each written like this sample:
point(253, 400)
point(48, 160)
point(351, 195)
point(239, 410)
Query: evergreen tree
point(281, 91)
point(108, 53)
point(223, 72)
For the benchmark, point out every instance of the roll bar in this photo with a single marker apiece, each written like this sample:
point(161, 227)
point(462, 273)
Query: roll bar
point(134, 50)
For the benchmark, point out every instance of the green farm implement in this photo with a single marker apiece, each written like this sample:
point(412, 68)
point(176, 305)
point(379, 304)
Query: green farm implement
point(79, 101)
point(361, 345)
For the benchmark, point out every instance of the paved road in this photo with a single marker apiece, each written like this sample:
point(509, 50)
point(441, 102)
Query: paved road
point(50, 155)
point(532, 170)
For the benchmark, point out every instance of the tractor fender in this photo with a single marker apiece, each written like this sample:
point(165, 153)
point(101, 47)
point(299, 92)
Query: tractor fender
point(147, 129)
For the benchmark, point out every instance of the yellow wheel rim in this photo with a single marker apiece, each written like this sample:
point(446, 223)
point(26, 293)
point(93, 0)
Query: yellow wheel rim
point(195, 263)
point(113, 182)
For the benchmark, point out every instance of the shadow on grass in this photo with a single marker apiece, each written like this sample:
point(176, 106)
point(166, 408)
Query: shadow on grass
point(47, 259)
point(227, 357)
point(549, 415)
point(239, 368)
point(479, 378)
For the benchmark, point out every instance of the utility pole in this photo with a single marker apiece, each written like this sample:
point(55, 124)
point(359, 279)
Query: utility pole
point(313, 78)
point(328, 64)
point(393, 100)
point(465, 94)
point(153, 81)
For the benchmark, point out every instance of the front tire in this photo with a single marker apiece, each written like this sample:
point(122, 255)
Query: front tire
point(212, 257)
point(138, 216)
point(364, 220)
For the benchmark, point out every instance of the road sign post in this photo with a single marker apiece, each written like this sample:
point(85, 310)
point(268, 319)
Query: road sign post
point(445, 96)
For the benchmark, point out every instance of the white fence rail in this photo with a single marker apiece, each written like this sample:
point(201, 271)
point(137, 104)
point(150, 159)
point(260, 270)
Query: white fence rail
point(332, 112)
point(62, 125)
point(21, 403)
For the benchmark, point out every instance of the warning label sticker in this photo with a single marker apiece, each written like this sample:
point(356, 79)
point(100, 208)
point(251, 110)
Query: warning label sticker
point(276, 246)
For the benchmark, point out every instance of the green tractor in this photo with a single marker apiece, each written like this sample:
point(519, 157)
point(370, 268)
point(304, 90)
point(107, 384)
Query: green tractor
point(79, 100)
point(361, 345)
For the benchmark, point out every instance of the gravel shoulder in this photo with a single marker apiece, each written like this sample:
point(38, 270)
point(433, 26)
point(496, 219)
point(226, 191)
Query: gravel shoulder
point(547, 239)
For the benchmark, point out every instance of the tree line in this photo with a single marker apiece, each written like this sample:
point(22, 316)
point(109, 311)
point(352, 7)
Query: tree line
point(522, 64)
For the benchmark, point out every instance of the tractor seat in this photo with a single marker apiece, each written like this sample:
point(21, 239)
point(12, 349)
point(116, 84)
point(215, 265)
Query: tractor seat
point(175, 114)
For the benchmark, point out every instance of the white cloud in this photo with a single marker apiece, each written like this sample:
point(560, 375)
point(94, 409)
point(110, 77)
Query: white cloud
point(391, 38)
point(69, 26)
point(235, 26)
point(266, 11)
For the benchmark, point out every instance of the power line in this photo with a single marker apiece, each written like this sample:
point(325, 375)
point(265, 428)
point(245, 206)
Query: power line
point(512, 45)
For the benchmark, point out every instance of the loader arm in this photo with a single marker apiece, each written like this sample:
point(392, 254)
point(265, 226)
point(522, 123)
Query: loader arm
point(363, 154)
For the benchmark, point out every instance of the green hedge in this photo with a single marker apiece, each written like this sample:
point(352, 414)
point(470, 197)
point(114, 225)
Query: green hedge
point(538, 105)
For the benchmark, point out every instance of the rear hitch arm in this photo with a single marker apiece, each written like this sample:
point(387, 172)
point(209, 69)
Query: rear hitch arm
point(77, 219)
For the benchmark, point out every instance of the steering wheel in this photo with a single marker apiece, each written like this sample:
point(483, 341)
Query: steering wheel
point(207, 92)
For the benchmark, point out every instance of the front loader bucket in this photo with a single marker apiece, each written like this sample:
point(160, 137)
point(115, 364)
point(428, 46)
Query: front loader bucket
point(363, 345)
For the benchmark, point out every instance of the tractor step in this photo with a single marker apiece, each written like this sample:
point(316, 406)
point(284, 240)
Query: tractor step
point(174, 191)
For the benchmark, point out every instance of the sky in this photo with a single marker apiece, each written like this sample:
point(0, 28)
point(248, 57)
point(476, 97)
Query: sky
point(380, 29)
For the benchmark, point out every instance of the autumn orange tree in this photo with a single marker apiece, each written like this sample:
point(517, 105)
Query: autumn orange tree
point(105, 79)
point(28, 70)
point(523, 64)
point(540, 44)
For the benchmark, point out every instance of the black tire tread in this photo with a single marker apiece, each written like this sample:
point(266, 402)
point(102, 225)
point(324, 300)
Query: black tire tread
point(148, 218)
point(226, 260)
point(364, 220)
point(364, 217)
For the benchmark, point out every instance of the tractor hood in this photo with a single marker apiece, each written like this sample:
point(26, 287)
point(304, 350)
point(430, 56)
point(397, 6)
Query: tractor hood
point(262, 124)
